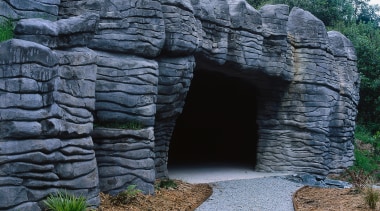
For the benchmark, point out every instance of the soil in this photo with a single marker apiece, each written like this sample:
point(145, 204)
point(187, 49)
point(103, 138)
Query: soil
point(324, 199)
point(185, 197)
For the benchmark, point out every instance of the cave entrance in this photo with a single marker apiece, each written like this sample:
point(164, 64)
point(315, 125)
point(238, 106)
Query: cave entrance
point(218, 122)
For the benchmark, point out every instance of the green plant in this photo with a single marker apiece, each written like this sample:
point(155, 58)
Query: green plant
point(166, 183)
point(63, 201)
point(371, 196)
point(365, 160)
point(126, 196)
point(132, 125)
point(6, 29)
point(359, 178)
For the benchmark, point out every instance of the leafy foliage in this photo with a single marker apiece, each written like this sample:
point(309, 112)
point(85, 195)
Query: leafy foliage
point(63, 201)
point(166, 183)
point(6, 29)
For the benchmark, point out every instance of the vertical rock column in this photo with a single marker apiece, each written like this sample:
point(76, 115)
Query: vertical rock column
point(174, 82)
point(45, 112)
point(182, 39)
point(342, 124)
point(126, 93)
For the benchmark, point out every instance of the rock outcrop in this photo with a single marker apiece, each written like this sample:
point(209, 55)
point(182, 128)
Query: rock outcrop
point(47, 100)
point(84, 61)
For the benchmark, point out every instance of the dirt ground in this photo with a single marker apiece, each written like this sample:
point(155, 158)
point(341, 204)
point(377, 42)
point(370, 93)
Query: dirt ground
point(187, 197)
point(325, 199)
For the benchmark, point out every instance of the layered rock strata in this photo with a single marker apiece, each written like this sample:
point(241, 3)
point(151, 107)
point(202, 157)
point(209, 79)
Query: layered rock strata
point(133, 61)
point(125, 157)
point(46, 106)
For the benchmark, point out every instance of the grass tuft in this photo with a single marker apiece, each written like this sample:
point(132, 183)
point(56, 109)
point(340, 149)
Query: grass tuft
point(6, 29)
point(63, 201)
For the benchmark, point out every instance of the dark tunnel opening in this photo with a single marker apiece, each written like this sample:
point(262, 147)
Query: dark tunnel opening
point(218, 122)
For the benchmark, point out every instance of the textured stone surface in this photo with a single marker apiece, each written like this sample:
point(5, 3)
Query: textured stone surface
point(133, 61)
point(126, 89)
point(134, 27)
point(125, 157)
point(14, 9)
point(71, 32)
point(182, 29)
point(175, 76)
point(46, 103)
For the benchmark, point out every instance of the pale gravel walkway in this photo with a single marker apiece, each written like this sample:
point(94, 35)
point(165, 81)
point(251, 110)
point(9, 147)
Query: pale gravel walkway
point(239, 188)
point(262, 194)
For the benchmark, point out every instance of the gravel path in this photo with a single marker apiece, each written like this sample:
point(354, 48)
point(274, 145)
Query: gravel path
point(261, 194)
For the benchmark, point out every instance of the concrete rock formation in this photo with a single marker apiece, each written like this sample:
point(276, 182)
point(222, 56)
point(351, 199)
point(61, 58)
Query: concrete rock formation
point(76, 62)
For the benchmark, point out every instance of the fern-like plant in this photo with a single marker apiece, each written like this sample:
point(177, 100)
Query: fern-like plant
point(63, 201)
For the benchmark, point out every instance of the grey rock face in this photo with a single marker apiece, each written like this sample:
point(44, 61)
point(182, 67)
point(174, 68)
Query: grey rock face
point(175, 76)
point(47, 9)
point(46, 120)
point(126, 88)
point(133, 27)
point(182, 29)
point(133, 61)
point(131, 161)
point(74, 31)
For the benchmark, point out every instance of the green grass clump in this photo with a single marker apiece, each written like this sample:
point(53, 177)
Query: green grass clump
point(166, 183)
point(119, 125)
point(371, 197)
point(367, 159)
point(63, 201)
point(126, 196)
point(6, 29)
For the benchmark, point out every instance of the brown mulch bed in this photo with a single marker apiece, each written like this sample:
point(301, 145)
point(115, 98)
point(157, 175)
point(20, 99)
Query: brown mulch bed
point(325, 199)
point(186, 197)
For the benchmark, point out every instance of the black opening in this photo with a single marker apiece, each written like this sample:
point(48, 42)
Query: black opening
point(218, 122)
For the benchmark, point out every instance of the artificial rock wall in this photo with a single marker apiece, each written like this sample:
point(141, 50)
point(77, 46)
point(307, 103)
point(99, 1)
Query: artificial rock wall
point(106, 60)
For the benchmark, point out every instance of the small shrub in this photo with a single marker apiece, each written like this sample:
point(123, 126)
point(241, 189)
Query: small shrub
point(126, 196)
point(63, 201)
point(166, 183)
point(359, 178)
point(6, 29)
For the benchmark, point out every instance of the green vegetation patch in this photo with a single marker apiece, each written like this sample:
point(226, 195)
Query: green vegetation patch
point(6, 29)
point(133, 125)
point(126, 196)
point(167, 184)
point(63, 201)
